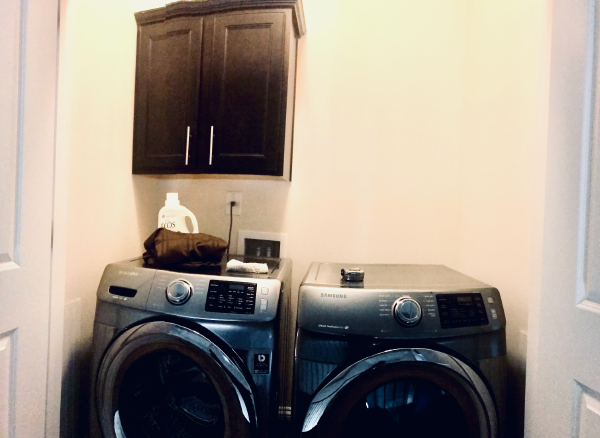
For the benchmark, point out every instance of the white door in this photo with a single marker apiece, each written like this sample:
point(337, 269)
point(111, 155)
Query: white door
point(28, 64)
point(563, 370)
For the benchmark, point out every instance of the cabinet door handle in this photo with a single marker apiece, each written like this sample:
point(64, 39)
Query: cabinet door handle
point(187, 146)
point(211, 142)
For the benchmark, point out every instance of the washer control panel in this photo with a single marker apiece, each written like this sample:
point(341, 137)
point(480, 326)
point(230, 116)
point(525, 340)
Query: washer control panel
point(212, 297)
point(204, 296)
point(179, 291)
point(231, 297)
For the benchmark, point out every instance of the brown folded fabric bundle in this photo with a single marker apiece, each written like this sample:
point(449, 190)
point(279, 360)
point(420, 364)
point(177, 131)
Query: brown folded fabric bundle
point(165, 248)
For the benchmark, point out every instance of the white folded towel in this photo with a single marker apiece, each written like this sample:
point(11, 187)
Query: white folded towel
point(255, 268)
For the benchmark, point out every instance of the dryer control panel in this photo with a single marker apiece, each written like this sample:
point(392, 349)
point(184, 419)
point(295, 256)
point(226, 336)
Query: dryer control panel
point(461, 310)
point(398, 302)
point(400, 314)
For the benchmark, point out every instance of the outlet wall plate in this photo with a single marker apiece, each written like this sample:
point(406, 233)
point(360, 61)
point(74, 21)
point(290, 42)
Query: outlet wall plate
point(262, 244)
point(237, 208)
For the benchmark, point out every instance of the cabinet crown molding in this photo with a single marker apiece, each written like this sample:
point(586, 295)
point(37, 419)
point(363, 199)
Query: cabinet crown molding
point(205, 7)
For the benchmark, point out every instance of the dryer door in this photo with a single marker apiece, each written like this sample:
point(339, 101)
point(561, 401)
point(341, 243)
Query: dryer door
point(161, 379)
point(403, 393)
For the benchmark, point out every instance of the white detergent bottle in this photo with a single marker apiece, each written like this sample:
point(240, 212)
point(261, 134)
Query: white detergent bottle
point(172, 215)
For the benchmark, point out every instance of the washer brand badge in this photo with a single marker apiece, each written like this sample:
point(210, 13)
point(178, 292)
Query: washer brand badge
point(135, 274)
point(333, 326)
point(324, 295)
point(262, 363)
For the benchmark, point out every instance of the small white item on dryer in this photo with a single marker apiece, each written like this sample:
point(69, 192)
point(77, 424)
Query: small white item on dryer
point(255, 268)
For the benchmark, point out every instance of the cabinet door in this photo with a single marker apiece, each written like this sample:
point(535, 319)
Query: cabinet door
point(245, 86)
point(166, 96)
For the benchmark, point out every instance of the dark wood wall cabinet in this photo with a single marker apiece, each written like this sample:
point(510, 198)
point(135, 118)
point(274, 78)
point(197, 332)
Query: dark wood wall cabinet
point(214, 87)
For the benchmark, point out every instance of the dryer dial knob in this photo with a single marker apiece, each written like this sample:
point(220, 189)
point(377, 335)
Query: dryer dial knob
point(179, 291)
point(407, 312)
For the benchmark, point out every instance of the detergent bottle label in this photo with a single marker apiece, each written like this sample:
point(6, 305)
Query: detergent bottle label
point(169, 221)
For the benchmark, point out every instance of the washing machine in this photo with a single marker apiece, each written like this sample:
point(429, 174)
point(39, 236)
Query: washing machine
point(190, 353)
point(398, 351)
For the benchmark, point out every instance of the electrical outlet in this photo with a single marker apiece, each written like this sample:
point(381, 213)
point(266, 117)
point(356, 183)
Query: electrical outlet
point(237, 208)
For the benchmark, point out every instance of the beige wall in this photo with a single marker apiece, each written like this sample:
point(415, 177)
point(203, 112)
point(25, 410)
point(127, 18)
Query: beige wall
point(107, 206)
point(507, 79)
point(378, 134)
point(415, 128)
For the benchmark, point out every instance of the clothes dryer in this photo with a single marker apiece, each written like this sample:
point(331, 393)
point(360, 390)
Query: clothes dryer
point(178, 353)
point(409, 351)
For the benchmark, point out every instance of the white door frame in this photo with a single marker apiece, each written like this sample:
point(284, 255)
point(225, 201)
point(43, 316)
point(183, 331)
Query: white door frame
point(563, 376)
point(38, 188)
point(59, 241)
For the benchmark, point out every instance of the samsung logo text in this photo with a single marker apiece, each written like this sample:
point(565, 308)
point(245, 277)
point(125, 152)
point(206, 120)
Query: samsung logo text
point(135, 274)
point(324, 295)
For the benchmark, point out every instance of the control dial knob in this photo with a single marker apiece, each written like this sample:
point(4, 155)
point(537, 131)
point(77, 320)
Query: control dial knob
point(179, 291)
point(407, 312)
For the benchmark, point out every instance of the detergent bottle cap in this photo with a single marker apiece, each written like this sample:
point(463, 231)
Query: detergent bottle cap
point(172, 199)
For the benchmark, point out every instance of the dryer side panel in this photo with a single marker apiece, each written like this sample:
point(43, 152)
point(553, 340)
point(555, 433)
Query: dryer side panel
point(494, 370)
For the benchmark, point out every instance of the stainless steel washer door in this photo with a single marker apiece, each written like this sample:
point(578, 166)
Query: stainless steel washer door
point(403, 392)
point(161, 379)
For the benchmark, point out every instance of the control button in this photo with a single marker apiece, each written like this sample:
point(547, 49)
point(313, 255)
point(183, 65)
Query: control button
point(494, 314)
point(263, 304)
point(179, 291)
point(407, 312)
point(264, 291)
point(490, 300)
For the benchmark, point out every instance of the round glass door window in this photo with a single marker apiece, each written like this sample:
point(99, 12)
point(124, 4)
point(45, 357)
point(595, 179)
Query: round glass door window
point(407, 408)
point(166, 394)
